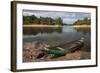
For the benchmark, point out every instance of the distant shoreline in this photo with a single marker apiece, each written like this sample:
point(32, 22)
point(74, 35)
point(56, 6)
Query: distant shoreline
point(76, 26)
point(83, 26)
point(42, 25)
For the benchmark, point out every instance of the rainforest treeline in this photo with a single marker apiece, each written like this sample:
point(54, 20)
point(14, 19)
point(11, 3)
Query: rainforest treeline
point(27, 20)
point(42, 20)
point(85, 21)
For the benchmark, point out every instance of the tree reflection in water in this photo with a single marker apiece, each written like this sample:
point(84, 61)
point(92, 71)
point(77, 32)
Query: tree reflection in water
point(36, 30)
point(83, 30)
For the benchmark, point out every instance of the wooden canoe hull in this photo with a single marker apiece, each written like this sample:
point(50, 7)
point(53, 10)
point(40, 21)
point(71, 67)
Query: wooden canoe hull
point(74, 47)
point(56, 52)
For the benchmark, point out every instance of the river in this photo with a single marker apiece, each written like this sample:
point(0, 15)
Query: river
point(56, 35)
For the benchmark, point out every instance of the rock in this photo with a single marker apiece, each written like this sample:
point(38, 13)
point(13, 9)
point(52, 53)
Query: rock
point(26, 56)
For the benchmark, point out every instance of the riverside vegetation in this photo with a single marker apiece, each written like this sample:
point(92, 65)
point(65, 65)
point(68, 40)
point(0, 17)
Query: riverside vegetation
point(33, 20)
point(34, 26)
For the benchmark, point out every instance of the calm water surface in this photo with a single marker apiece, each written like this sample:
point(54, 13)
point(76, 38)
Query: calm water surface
point(56, 35)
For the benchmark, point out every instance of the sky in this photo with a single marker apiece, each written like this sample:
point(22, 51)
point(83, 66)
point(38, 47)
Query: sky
point(67, 17)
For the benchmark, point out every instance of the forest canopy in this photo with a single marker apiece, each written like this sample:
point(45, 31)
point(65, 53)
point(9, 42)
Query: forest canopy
point(85, 21)
point(42, 20)
point(27, 20)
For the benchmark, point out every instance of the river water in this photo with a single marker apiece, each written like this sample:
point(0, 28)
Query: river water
point(56, 35)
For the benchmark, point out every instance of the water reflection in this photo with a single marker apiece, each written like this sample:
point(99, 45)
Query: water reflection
point(83, 30)
point(56, 35)
point(50, 30)
point(35, 31)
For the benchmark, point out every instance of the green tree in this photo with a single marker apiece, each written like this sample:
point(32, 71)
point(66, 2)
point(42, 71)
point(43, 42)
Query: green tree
point(41, 20)
point(26, 20)
point(85, 21)
point(33, 18)
point(58, 21)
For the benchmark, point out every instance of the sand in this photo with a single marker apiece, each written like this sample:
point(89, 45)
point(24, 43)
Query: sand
point(31, 51)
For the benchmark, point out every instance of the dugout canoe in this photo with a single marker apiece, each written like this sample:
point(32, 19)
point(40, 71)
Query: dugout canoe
point(58, 51)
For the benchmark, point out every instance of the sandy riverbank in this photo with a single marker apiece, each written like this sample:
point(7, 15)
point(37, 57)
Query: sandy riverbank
point(41, 25)
point(31, 50)
point(82, 26)
point(34, 25)
point(77, 55)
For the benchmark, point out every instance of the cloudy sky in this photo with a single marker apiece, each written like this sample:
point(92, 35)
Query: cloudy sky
point(67, 17)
